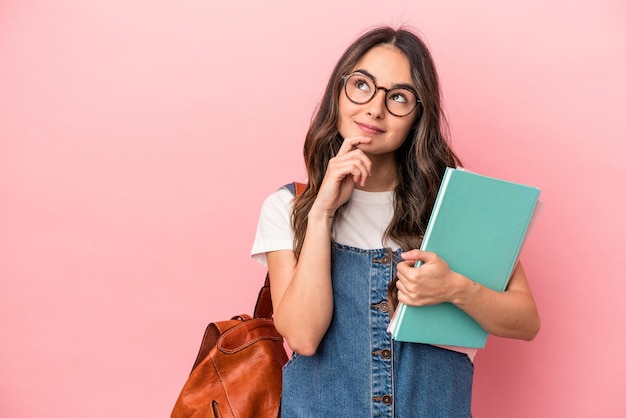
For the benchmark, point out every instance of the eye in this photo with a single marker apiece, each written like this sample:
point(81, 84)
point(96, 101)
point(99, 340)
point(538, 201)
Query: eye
point(398, 97)
point(362, 84)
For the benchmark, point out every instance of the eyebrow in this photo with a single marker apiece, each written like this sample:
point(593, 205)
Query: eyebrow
point(395, 86)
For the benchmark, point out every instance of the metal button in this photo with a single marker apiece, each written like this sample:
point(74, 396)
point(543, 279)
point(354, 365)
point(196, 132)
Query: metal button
point(385, 259)
point(386, 399)
point(382, 306)
point(385, 353)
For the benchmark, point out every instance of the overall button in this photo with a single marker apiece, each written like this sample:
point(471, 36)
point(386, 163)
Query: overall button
point(385, 260)
point(385, 353)
point(386, 399)
point(382, 306)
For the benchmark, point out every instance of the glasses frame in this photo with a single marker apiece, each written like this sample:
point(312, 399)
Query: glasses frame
point(345, 79)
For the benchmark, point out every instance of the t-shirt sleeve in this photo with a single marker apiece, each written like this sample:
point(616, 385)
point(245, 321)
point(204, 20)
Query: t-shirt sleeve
point(273, 231)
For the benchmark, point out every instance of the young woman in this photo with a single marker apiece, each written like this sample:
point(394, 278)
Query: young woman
point(375, 154)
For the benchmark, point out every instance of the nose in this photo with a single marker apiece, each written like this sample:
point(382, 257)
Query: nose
point(376, 105)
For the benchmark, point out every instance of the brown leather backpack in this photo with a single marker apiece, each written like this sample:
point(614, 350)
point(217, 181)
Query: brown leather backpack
point(238, 371)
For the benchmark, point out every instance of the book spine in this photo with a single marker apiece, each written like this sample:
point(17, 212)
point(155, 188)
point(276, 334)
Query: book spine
point(436, 206)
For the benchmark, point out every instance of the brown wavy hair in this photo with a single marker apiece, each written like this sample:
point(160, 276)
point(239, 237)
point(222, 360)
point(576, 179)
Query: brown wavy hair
point(421, 160)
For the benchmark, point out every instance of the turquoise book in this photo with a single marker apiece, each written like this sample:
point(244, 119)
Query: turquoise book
point(478, 225)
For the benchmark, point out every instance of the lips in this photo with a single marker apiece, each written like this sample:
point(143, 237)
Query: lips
point(369, 129)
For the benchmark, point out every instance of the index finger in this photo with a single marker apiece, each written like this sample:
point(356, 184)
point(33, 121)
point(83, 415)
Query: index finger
point(418, 255)
point(350, 143)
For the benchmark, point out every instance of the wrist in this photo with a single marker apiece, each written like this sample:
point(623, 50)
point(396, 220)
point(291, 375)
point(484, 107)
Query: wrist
point(320, 216)
point(465, 289)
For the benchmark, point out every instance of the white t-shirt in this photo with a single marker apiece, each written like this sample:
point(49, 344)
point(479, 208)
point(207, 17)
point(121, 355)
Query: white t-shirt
point(361, 224)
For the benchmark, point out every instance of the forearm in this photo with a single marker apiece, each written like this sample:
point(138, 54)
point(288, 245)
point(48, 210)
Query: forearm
point(305, 309)
point(510, 314)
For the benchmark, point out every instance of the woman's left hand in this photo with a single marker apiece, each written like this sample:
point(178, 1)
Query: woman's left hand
point(432, 283)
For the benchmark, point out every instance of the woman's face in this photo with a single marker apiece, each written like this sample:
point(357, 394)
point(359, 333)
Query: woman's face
point(388, 67)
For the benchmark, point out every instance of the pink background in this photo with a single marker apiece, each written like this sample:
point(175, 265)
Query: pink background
point(139, 138)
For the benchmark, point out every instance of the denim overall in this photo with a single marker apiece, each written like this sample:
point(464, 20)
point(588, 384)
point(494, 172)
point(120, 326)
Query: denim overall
point(358, 370)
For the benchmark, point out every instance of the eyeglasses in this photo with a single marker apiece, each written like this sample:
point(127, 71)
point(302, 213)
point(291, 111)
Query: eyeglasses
point(361, 89)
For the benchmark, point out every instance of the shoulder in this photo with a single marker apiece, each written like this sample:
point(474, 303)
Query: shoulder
point(279, 199)
point(274, 226)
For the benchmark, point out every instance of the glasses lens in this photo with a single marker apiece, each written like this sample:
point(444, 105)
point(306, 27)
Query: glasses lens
point(400, 102)
point(359, 88)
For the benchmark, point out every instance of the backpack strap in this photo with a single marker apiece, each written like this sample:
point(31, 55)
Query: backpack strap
point(263, 307)
point(295, 188)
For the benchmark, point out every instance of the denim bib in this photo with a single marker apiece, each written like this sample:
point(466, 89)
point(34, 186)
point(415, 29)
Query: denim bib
point(358, 370)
